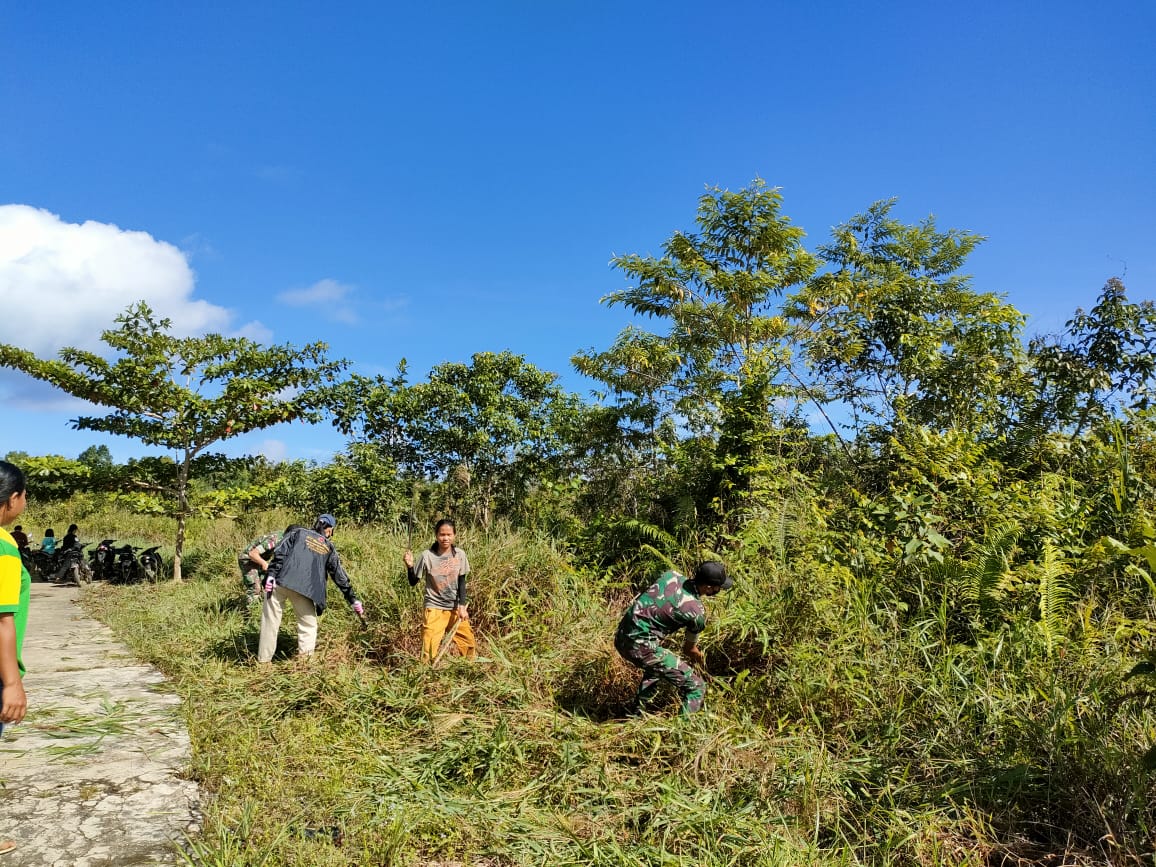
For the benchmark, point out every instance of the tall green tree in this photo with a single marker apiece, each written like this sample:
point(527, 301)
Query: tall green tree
point(105, 474)
point(719, 362)
point(490, 429)
point(185, 393)
point(896, 334)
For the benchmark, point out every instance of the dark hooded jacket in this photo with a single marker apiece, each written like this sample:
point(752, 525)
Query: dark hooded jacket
point(301, 563)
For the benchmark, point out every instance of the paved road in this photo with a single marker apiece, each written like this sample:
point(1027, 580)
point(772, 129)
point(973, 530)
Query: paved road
point(92, 778)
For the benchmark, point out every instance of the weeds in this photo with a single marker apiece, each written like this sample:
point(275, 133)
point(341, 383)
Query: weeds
point(839, 730)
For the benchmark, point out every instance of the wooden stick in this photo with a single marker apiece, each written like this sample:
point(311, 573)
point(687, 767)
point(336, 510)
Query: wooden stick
point(447, 640)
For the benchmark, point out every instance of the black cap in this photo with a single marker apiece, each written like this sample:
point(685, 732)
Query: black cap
point(713, 572)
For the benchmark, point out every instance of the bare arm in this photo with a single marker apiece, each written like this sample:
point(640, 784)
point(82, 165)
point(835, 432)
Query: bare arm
point(14, 702)
point(690, 648)
point(255, 555)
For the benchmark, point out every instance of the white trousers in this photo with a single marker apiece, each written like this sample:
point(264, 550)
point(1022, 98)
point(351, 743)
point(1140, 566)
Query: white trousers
point(271, 609)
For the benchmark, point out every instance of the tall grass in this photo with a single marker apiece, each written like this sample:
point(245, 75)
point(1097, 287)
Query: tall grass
point(841, 727)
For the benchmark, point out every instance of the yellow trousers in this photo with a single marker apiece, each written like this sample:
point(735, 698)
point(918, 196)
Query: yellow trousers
point(437, 621)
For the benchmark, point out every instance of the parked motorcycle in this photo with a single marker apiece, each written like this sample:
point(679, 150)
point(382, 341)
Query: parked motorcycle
point(151, 564)
point(44, 563)
point(126, 569)
point(103, 558)
point(29, 561)
point(71, 565)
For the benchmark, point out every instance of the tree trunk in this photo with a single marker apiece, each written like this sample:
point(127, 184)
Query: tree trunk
point(182, 514)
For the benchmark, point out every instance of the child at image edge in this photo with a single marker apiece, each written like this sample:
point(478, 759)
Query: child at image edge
point(15, 589)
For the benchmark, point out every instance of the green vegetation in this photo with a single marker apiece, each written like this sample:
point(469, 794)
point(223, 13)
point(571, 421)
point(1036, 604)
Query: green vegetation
point(184, 393)
point(939, 649)
point(949, 720)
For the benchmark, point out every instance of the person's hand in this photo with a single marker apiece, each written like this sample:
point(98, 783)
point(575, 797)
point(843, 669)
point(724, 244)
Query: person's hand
point(270, 583)
point(15, 703)
point(697, 657)
point(462, 613)
point(358, 608)
point(408, 558)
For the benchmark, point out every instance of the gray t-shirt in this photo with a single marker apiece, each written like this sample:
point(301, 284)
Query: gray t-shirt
point(441, 576)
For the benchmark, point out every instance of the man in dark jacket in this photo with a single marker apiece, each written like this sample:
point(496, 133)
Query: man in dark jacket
point(297, 575)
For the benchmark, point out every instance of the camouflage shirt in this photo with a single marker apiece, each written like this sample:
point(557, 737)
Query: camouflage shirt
point(666, 606)
point(264, 544)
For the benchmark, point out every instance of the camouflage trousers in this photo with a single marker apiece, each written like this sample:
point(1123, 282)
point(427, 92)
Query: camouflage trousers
point(658, 664)
point(251, 579)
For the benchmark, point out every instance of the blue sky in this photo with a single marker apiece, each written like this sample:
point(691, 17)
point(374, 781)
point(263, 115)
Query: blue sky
point(432, 182)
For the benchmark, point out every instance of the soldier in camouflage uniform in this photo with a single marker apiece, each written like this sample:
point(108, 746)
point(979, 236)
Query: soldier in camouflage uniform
point(670, 604)
point(254, 563)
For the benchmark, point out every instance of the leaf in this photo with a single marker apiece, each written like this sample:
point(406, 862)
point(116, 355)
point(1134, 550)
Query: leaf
point(937, 539)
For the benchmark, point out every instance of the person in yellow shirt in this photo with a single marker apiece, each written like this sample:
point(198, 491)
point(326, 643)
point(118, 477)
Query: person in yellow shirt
point(15, 589)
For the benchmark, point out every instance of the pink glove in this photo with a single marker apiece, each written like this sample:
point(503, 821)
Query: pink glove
point(358, 608)
point(269, 585)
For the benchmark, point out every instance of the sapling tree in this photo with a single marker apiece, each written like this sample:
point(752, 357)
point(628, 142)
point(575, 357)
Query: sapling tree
point(185, 393)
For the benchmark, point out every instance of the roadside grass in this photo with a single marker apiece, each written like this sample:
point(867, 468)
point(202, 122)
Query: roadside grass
point(834, 734)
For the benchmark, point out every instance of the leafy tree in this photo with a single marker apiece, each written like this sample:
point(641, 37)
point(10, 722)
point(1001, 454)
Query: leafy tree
point(722, 359)
point(96, 457)
point(490, 429)
point(897, 334)
point(185, 393)
point(1105, 362)
point(53, 477)
point(104, 473)
point(217, 484)
point(358, 485)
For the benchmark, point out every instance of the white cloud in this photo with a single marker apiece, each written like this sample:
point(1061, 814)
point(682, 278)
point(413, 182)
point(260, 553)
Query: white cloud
point(25, 393)
point(274, 450)
point(62, 283)
point(197, 246)
point(331, 298)
point(254, 331)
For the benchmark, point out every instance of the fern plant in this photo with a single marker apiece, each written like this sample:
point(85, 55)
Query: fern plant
point(986, 572)
point(1055, 595)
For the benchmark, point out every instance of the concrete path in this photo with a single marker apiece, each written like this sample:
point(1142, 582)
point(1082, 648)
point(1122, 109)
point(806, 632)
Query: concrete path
point(93, 776)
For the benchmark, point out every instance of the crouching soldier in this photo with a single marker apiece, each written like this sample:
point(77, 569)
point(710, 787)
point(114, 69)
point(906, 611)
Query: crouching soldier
point(672, 603)
point(298, 574)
